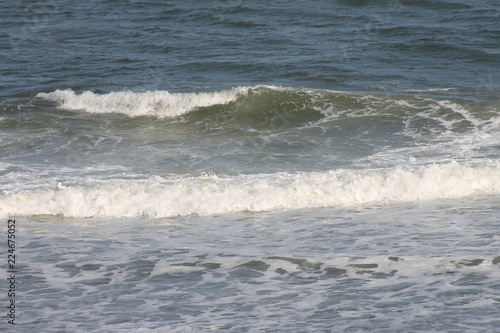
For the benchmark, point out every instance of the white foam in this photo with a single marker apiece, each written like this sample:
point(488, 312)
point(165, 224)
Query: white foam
point(429, 90)
point(206, 195)
point(151, 103)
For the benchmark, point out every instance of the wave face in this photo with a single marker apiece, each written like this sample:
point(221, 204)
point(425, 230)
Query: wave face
point(273, 106)
point(261, 101)
point(206, 195)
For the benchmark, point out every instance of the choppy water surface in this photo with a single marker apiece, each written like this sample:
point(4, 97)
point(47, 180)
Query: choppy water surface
point(252, 167)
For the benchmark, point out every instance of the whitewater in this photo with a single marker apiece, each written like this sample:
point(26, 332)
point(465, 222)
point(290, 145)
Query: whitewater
point(231, 166)
point(211, 194)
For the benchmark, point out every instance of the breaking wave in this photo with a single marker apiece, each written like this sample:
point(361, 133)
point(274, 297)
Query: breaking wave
point(210, 194)
point(271, 107)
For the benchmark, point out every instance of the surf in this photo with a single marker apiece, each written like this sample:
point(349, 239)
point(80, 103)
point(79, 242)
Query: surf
point(158, 197)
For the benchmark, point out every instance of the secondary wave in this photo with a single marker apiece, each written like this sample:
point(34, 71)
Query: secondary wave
point(206, 195)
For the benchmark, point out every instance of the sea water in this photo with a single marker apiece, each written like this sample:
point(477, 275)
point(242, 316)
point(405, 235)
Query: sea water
point(299, 166)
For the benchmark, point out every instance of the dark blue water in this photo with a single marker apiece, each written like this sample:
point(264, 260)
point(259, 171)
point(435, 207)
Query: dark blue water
point(264, 166)
point(192, 45)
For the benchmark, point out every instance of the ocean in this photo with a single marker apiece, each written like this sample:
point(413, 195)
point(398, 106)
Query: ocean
point(250, 166)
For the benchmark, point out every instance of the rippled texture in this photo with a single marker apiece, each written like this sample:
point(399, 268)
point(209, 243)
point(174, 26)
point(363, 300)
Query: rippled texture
point(382, 45)
point(263, 166)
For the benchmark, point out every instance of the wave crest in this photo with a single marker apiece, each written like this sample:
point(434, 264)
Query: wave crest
point(151, 103)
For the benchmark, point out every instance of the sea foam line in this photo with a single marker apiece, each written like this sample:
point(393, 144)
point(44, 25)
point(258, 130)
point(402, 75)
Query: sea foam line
point(206, 195)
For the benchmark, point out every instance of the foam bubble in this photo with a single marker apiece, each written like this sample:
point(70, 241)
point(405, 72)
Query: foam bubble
point(206, 195)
